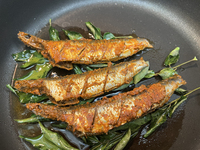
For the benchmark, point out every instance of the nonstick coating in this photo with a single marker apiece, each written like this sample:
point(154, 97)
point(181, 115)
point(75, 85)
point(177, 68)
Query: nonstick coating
point(166, 23)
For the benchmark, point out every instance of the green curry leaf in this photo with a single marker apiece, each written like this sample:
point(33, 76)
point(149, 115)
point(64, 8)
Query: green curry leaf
point(53, 33)
point(124, 140)
point(30, 57)
point(150, 74)
point(173, 57)
point(181, 91)
point(40, 72)
point(141, 74)
point(95, 31)
point(49, 140)
point(176, 104)
point(108, 36)
point(73, 35)
point(33, 119)
point(166, 73)
point(158, 118)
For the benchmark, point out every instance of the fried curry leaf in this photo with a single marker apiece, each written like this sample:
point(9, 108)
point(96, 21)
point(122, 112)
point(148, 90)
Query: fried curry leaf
point(158, 118)
point(134, 125)
point(150, 74)
point(40, 142)
point(53, 33)
point(27, 97)
point(55, 138)
point(95, 31)
point(175, 105)
point(61, 125)
point(73, 35)
point(98, 65)
point(166, 73)
point(30, 57)
point(173, 57)
point(33, 119)
point(40, 71)
point(181, 91)
point(85, 101)
point(91, 140)
point(141, 74)
point(123, 86)
point(108, 36)
point(30, 98)
point(114, 137)
point(107, 141)
point(124, 140)
point(77, 70)
point(49, 140)
point(86, 67)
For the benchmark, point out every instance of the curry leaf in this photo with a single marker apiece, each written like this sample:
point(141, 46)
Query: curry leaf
point(98, 65)
point(134, 125)
point(48, 140)
point(176, 104)
point(107, 141)
point(40, 72)
point(95, 31)
point(77, 70)
point(141, 74)
point(158, 118)
point(123, 86)
point(73, 35)
point(91, 140)
point(53, 33)
point(124, 140)
point(108, 36)
point(173, 57)
point(181, 91)
point(86, 67)
point(40, 142)
point(150, 74)
point(61, 125)
point(33, 119)
point(167, 72)
point(85, 101)
point(30, 57)
point(55, 138)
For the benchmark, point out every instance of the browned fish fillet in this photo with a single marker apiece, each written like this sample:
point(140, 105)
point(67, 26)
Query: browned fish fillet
point(67, 90)
point(63, 53)
point(108, 113)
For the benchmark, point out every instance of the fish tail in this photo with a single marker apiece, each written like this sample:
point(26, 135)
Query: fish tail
point(32, 41)
point(53, 112)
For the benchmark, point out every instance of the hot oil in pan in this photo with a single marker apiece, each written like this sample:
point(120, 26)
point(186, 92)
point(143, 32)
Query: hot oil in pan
point(19, 111)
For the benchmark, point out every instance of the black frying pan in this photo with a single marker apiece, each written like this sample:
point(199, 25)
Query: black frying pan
point(167, 23)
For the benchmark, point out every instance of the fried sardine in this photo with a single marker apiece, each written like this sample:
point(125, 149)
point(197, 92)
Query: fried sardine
point(101, 116)
point(66, 90)
point(64, 53)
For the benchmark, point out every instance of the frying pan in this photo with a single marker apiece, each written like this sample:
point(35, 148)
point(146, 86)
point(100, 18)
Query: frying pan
point(166, 23)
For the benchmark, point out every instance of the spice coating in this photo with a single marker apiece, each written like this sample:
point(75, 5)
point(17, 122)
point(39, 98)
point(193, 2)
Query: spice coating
point(67, 90)
point(65, 52)
point(101, 116)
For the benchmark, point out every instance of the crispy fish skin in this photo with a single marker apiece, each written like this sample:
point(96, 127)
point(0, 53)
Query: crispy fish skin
point(67, 90)
point(108, 113)
point(63, 53)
